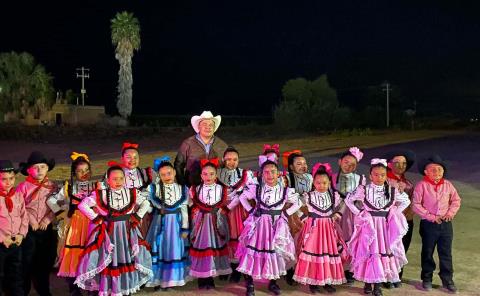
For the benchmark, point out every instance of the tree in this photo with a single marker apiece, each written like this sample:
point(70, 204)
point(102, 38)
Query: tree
point(126, 38)
point(309, 105)
point(23, 82)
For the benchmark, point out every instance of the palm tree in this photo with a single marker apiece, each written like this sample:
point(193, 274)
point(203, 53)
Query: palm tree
point(126, 37)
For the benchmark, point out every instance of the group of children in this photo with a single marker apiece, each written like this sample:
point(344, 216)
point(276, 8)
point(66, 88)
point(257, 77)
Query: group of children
point(139, 228)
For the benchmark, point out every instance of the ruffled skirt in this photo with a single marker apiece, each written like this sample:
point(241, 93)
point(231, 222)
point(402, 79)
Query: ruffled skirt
point(376, 247)
point(209, 245)
point(170, 260)
point(75, 241)
point(321, 253)
point(266, 248)
point(116, 260)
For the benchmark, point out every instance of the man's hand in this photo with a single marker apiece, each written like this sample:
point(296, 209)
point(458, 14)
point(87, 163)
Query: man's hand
point(438, 220)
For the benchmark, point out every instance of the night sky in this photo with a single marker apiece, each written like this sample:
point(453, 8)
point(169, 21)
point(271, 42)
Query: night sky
point(234, 56)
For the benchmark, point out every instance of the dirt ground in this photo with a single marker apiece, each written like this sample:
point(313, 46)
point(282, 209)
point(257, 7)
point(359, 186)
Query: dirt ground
point(463, 171)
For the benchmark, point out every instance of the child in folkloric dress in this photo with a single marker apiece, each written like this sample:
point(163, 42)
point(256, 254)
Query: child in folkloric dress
point(210, 234)
point(297, 177)
point(320, 257)
point(376, 245)
point(235, 179)
point(266, 248)
point(136, 177)
point(75, 225)
point(116, 260)
point(345, 181)
point(168, 234)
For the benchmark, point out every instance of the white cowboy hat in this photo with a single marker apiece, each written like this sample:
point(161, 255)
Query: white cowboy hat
point(205, 115)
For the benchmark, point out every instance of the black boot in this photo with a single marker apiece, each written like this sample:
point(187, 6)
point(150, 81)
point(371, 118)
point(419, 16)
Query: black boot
point(388, 285)
point(274, 288)
point(202, 283)
point(377, 290)
point(249, 285)
point(367, 288)
point(289, 277)
point(314, 289)
point(73, 289)
point(236, 275)
point(210, 283)
point(349, 277)
point(449, 286)
point(329, 289)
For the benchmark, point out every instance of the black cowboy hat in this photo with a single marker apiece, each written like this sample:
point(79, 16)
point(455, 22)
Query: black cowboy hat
point(408, 154)
point(436, 159)
point(7, 166)
point(34, 158)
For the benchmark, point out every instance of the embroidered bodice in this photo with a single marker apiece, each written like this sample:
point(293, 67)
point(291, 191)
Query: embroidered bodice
point(115, 202)
point(230, 177)
point(303, 182)
point(81, 189)
point(210, 194)
point(134, 178)
point(271, 198)
point(321, 203)
point(376, 198)
point(172, 194)
point(346, 183)
point(119, 199)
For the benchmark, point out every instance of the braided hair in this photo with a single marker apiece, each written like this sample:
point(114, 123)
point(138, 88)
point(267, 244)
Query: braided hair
point(386, 187)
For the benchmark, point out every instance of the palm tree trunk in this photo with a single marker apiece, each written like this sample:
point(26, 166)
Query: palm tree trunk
point(125, 80)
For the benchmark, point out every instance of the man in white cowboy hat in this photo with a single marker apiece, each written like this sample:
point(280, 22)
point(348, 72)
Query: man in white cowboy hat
point(201, 145)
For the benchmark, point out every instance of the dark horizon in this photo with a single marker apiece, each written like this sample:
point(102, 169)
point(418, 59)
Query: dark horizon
point(218, 55)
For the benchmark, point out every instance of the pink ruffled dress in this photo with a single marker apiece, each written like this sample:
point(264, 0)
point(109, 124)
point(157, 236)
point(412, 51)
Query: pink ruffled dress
point(321, 249)
point(376, 244)
point(266, 248)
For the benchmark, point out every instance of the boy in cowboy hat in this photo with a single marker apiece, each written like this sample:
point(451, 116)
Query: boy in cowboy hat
point(436, 201)
point(399, 162)
point(201, 145)
point(13, 228)
point(39, 247)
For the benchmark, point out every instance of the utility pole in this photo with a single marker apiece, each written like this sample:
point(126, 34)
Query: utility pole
point(387, 89)
point(84, 73)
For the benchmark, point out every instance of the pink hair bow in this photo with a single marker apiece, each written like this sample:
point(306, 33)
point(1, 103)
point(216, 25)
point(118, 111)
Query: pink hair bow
point(356, 153)
point(263, 158)
point(381, 161)
point(274, 147)
point(318, 165)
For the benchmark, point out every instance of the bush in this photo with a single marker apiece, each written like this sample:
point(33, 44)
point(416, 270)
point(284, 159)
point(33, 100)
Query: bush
point(310, 106)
